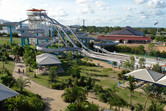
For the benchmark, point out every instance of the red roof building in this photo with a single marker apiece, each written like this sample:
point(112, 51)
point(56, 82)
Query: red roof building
point(36, 10)
point(126, 35)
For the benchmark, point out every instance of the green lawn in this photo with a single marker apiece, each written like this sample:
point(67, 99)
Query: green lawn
point(9, 65)
point(4, 40)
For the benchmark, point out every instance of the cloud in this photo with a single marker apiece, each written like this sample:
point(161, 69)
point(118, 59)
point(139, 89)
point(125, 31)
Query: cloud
point(85, 7)
point(44, 5)
point(127, 9)
point(101, 5)
point(59, 12)
point(156, 4)
point(82, 1)
point(158, 12)
point(140, 1)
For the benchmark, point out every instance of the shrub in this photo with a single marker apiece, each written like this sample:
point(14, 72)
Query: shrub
point(97, 89)
point(25, 103)
point(102, 97)
point(59, 86)
point(84, 107)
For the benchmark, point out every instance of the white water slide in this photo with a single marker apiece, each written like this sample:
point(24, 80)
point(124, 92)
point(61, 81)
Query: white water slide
point(61, 28)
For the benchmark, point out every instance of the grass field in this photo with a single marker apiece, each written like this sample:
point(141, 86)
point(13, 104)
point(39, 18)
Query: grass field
point(4, 40)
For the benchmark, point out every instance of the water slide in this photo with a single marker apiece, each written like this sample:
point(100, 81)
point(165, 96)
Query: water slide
point(87, 51)
point(62, 28)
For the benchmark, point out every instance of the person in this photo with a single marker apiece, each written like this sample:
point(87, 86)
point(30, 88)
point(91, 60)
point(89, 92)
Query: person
point(23, 71)
point(19, 70)
point(132, 108)
point(119, 84)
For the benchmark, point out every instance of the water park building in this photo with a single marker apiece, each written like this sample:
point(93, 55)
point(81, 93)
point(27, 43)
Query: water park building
point(126, 35)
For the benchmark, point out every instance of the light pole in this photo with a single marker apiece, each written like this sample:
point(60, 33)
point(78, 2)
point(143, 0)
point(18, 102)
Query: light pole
point(145, 51)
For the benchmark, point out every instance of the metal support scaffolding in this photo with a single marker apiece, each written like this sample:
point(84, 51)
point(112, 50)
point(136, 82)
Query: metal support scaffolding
point(22, 44)
point(53, 31)
point(11, 37)
point(86, 42)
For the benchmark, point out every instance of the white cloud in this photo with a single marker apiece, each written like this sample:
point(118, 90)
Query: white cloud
point(156, 4)
point(140, 1)
point(101, 5)
point(127, 9)
point(85, 7)
point(82, 1)
point(45, 5)
point(59, 12)
point(158, 12)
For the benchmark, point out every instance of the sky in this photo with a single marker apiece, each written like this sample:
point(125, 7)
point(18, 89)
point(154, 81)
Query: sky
point(134, 13)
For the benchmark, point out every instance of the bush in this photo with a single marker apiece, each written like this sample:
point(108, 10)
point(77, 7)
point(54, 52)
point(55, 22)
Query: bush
point(59, 86)
point(8, 80)
point(84, 107)
point(97, 89)
point(24, 103)
point(102, 97)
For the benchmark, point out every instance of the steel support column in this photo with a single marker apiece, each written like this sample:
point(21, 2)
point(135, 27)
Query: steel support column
point(11, 37)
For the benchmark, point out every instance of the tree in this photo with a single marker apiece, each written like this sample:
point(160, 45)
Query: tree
point(4, 59)
point(75, 71)
point(151, 46)
point(157, 68)
point(4, 56)
point(53, 73)
point(35, 66)
point(132, 62)
point(8, 80)
point(148, 93)
point(142, 62)
point(29, 56)
point(75, 94)
point(138, 107)
point(131, 87)
point(21, 83)
point(126, 64)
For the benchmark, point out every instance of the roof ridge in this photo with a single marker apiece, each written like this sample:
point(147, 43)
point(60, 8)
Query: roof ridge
point(150, 74)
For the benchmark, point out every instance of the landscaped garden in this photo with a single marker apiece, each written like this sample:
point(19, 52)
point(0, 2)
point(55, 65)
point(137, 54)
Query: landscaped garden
point(81, 76)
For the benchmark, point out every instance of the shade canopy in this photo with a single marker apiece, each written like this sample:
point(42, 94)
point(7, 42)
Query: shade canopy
point(149, 76)
point(47, 59)
point(6, 92)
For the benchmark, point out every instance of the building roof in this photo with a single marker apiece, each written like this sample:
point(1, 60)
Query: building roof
point(162, 81)
point(164, 65)
point(146, 75)
point(47, 59)
point(123, 37)
point(6, 92)
point(128, 31)
point(36, 10)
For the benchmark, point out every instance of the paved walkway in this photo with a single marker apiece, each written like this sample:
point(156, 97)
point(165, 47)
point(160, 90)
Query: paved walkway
point(51, 97)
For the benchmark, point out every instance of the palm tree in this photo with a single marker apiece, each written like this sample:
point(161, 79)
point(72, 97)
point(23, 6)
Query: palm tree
point(126, 64)
point(141, 62)
point(23, 83)
point(132, 62)
point(148, 93)
point(53, 73)
point(35, 66)
point(131, 87)
point(138, 107)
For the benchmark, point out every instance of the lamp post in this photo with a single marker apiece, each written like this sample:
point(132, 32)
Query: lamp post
point(145, 51)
